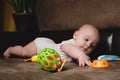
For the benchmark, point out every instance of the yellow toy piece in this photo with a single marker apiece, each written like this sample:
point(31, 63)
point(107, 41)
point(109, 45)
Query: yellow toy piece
point(100, 64)
point(32, 59)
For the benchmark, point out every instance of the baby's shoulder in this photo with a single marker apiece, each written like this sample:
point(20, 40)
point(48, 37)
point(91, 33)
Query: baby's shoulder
point(70, 41)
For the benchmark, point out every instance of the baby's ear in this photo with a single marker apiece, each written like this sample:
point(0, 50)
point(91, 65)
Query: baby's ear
point(75, 35)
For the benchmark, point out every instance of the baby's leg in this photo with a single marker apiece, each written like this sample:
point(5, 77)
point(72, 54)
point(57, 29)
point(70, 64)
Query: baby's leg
point(7, 52)
point(26, 51)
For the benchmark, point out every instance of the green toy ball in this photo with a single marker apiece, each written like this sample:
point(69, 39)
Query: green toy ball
point(49, 59)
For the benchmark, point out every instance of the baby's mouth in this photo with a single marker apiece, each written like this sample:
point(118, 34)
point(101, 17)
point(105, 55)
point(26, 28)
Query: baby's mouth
point(83, 49)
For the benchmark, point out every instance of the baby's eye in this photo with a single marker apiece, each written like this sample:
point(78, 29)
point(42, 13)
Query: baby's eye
point(86, 39)
point(92, 46)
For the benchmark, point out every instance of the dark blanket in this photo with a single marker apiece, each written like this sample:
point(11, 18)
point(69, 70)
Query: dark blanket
point(16, 38)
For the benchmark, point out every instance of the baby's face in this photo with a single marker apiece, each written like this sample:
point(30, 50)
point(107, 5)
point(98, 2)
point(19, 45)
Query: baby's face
point(86, 39)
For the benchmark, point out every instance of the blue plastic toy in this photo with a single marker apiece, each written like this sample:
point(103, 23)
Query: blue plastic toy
point(108, 57)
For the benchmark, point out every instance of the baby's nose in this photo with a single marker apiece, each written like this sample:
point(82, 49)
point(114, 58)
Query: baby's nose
point(88, 44)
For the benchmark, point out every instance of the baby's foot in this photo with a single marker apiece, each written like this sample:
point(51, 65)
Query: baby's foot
point(7, 53)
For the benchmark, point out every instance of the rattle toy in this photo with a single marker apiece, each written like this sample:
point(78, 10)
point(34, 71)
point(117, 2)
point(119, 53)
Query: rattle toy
point(100, 64)
point(50, 60)
point(109, 57)
point(102, 61)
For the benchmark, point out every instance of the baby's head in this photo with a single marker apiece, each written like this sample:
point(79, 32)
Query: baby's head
point(86, 38)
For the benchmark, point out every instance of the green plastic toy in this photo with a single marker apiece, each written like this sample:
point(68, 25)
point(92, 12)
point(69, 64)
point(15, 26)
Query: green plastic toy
point(50, 60)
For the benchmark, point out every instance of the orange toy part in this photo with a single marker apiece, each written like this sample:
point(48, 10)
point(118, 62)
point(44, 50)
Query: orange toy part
point(63, 63)
point(118, 58)
point(100, 64)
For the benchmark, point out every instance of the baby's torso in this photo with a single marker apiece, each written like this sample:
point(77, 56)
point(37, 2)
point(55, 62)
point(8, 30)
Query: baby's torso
point(42, 43)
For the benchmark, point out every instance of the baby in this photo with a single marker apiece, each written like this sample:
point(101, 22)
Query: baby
point(84, 41)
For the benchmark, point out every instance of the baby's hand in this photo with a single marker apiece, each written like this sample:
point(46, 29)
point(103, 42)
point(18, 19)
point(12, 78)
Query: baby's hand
point(84, 60)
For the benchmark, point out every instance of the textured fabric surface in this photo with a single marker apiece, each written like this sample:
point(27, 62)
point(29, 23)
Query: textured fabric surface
point(17, 69)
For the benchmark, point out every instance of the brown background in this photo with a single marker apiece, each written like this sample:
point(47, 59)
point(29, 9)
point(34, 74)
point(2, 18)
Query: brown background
point(67, 14)
point(71, 14)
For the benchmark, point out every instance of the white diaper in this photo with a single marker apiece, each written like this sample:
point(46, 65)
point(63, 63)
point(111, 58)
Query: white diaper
point(43, 42)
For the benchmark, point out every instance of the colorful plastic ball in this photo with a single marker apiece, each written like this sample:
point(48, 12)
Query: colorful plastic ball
point(49, 59)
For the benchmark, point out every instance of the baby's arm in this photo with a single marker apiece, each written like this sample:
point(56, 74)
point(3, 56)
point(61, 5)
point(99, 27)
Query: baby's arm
point(76, 53)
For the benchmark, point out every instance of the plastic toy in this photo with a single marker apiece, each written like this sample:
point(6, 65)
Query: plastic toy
point(32, 59)
point(109, 57)
point(50, 60)
point(63, 63)
point(100, 64)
